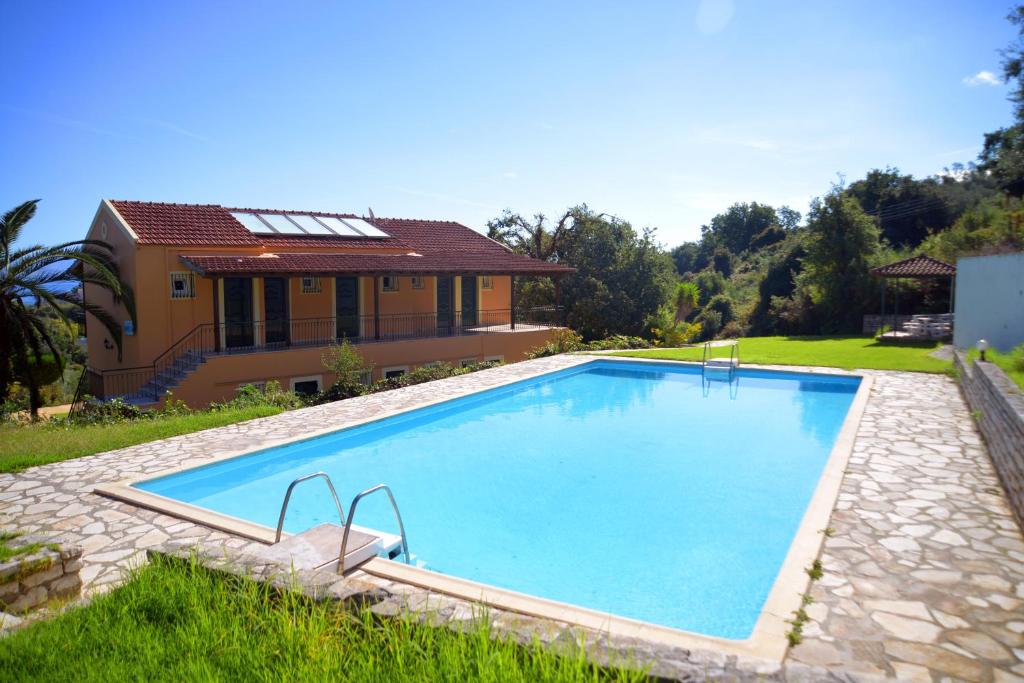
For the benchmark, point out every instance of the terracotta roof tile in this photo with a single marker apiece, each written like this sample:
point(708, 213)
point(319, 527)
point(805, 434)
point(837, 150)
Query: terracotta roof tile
point(430, 246)
point(184, 224)
point(916, 266)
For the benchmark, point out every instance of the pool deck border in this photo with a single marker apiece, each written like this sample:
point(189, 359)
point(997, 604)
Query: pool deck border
point(768, 640)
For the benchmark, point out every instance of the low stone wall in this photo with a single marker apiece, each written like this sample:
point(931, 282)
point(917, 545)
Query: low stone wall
point(32, 579)
point(873, 322)
point(998, 406)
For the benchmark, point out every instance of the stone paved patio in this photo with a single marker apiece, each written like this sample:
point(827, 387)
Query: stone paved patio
point(924, 565)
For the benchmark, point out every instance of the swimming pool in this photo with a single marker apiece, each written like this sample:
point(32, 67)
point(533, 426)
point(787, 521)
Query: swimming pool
point(637, 489)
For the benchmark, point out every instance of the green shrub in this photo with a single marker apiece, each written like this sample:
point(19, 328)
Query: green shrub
point(429, 373)
point(724, 306)
point(563, 341)
point(349, 368)
point(108, 412)
point(710, 322)
point(252, 396)
point(617, 341)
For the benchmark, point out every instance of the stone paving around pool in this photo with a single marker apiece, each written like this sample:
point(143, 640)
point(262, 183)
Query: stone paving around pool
point(923, 561)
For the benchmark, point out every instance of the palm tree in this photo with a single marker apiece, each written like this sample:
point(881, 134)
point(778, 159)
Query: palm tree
point(34, 278)
point(686, 300)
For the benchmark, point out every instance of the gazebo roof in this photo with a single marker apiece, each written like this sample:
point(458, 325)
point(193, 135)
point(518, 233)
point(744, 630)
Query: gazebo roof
point(919, 266)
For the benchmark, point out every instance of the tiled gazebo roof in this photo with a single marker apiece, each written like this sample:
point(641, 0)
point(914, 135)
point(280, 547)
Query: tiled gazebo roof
point(919, 266)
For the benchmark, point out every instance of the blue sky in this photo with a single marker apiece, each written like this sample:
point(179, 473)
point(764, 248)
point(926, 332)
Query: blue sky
point(663, 113)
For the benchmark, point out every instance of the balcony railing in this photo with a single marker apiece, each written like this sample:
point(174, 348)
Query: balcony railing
point(148, 382)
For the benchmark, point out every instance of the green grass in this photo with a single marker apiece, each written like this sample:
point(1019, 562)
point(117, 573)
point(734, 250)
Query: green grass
point(7, 552)
point(1012, 362)
point(850, 353)
point(176, 621)
point(27, 445)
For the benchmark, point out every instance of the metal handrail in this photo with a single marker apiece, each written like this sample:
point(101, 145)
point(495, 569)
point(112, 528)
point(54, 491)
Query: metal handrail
point(352, 514)
point(734, 354)
point(288, 495)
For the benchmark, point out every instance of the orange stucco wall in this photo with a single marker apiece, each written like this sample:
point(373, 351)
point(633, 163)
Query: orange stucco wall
point(219, 378)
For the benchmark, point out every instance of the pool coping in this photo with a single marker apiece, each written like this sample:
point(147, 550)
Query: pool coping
point(768, 639)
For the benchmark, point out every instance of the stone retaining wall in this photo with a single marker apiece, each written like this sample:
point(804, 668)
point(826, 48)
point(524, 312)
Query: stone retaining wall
point(32, 579)
point(998, 407)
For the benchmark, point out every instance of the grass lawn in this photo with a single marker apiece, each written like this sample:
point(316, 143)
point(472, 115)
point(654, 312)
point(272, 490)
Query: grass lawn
point(177, 622)
point(27, 445)
point(1012, 363)
point(849, 353)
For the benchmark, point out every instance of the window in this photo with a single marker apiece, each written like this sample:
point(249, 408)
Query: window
point(466, 362)
point(417, 282)
point(389, 283)
point(486, 282)
point(262, 386)
point(396, 371)
point(494, 359)
point(306, 386)
point(183, 285)
point(310, 285)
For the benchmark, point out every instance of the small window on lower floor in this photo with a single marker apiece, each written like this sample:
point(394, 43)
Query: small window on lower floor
point(389, 283)
point(183, 285)
point(398, 371)
point(311, 285)
point(486, 282)
point(417, 282)
point(466, 362)
point(494, 359)
point(306, 386)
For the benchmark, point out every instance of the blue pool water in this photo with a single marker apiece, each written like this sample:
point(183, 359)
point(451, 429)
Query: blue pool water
point(635, 489)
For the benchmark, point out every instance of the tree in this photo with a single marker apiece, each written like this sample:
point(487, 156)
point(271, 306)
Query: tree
point(35, 282)
point(735, 228)
point(687, 298)
point(778, 282)
point(621, 277)
point(841, 242)
point(1003, 153)
point(537, 239)
point(906, 208)
point(534, 239)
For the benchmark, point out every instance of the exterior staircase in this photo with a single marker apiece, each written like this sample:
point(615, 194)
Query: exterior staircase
point(166, 379)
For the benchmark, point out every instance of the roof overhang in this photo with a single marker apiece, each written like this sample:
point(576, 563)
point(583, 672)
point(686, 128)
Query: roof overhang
point(916, 267)
point(329, 265)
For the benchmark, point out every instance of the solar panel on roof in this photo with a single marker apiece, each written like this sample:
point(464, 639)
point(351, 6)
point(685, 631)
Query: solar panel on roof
point(337, 226)
point(281, 224)
point(364, 227)
point(309, 224)
point(251, 222)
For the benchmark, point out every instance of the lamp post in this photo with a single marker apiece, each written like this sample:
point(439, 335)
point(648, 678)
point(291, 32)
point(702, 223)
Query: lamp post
point(982, 347)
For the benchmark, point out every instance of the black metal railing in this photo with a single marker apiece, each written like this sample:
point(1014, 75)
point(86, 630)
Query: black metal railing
point(148, 382)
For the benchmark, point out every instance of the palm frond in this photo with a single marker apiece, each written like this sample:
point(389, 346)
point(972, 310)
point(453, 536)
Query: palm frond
point(12, 223)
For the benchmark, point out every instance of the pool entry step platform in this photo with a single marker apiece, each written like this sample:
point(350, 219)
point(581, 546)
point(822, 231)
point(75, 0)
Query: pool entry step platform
point(318, 548)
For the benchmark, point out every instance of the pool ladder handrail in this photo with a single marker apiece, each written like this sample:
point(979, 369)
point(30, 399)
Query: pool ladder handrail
point(352, 513)
point(288, 496)
point(734, 356)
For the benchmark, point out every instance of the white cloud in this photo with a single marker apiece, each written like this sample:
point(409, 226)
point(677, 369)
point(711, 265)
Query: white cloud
point(982, 78)
point(511, 175)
